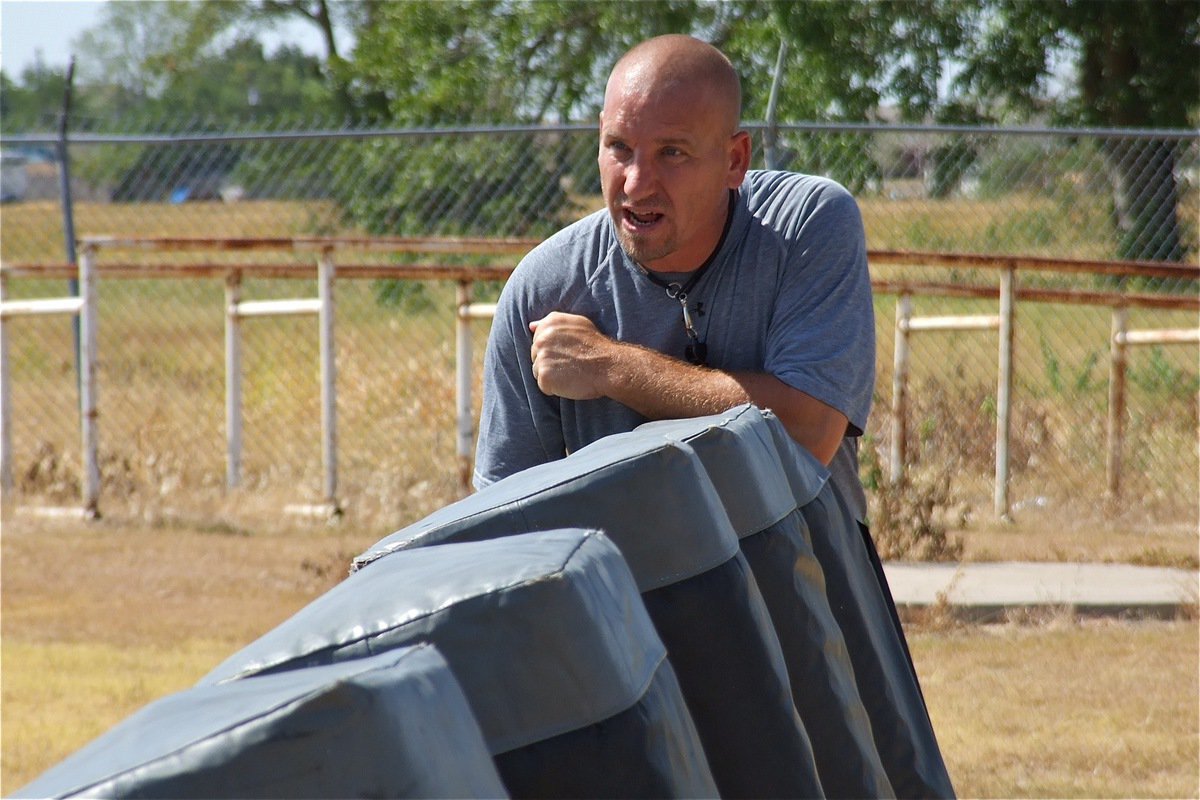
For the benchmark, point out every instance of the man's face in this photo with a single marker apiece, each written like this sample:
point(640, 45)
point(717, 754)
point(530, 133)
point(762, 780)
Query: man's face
point(667, 161)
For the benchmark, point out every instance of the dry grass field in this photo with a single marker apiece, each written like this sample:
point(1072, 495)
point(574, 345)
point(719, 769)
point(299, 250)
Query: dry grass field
point(161, 376)
point(162, 438)
point(101, 619)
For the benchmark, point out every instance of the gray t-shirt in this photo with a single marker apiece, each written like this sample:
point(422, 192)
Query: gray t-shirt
point(787, 293)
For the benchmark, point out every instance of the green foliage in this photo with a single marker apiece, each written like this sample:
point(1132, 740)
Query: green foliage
point(454, 186)
point(1082, 380)
point(409, 296)
point(502, 61)
point(1131, 61)
point(460, 63)
point(241, 80)
point(1159, 376)
point(132, 54)
point(35, 100)
point(845, 158)
point(147, 60)
point(1129, 58)
point(1038, 166)
point(951, 161)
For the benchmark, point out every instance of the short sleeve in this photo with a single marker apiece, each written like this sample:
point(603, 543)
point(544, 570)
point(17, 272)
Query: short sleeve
point(519, 426)
point(821, 338)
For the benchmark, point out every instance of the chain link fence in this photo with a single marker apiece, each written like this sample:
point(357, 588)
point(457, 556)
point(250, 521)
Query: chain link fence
point(1041, 194)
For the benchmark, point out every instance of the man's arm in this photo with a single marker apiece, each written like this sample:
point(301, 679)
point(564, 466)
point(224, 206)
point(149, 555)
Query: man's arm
point(572, 359)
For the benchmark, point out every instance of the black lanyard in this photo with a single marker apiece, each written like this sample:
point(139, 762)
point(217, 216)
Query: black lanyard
point(696, 351)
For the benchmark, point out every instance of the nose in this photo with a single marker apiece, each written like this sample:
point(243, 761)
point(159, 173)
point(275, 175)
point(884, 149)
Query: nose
point(640, 178)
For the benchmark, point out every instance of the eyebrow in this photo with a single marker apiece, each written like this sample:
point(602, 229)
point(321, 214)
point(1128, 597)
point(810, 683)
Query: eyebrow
point(682, 141)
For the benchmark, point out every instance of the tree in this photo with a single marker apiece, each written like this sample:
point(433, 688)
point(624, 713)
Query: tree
point(327, 16)
point(242, 81)
point(35, 100)
point(1133, 64)
point(507, 60)
point(491, 62)
point(486, 63)
point(1130, 63)
point(156, 57)
point(130, 56)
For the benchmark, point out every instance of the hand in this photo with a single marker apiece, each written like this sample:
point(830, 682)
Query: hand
point(571, 359)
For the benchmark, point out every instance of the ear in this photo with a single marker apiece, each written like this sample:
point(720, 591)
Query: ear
point(739, 158)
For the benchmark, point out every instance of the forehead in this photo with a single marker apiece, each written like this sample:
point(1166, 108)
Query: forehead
point(678, 112)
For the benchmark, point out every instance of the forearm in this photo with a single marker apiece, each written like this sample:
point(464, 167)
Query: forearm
point(660, 387)
point(572, 359)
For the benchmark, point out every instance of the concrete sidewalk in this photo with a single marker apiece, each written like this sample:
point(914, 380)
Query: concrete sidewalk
point(988, 590)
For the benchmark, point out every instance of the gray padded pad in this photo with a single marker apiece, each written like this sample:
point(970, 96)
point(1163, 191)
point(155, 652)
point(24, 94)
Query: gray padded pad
point(396, 725)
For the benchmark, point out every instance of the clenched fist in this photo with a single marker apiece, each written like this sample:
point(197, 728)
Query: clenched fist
point(571, 359)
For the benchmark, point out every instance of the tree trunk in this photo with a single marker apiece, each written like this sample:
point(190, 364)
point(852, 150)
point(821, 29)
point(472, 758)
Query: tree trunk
point(1145, 199)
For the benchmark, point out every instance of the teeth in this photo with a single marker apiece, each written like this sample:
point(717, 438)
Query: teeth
point(644, 219)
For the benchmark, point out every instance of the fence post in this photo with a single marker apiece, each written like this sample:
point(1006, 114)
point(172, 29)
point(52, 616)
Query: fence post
point(68, 211)
point(462, 384)
point(771, 134)
point(1004, 390)
point(88, 400)
point(1116, 403)
point(82, 308)
point(900, 388)
point(325, 277)
point(6, 476)
point(233, 380)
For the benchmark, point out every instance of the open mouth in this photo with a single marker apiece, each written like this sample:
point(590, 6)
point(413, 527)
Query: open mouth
point(645, 220)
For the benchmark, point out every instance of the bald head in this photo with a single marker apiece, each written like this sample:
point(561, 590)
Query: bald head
point(679, 65)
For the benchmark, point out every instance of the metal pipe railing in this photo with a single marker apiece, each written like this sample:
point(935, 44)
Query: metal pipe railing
point(467, 311)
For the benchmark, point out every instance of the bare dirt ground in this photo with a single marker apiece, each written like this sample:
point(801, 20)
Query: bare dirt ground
point(119, 584)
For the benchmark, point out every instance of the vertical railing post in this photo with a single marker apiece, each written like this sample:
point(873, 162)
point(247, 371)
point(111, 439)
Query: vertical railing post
point(325, 278)
point(1004, 390)
point(771, 134)
point(1116, 403)
point(6, 475)
point(900, 388)
point(233, 380)
point(88, 400)
point(462, 383)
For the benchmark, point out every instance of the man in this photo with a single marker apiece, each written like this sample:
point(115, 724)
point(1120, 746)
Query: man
point(702, 286)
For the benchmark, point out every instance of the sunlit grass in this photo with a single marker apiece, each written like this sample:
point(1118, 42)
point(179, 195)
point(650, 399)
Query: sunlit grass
point(1066, 710)
point(58, 696)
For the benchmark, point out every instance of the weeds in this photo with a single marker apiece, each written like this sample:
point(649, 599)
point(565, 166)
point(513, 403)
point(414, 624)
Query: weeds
point(906, 514)
point(1161, 557)
point(1081, 381)
point(1159, 375)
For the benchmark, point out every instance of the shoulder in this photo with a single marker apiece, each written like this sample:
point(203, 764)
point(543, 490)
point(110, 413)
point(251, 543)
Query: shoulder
point(787, 201)
point(560, 266)
point(764, 185)
point(571, 253)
